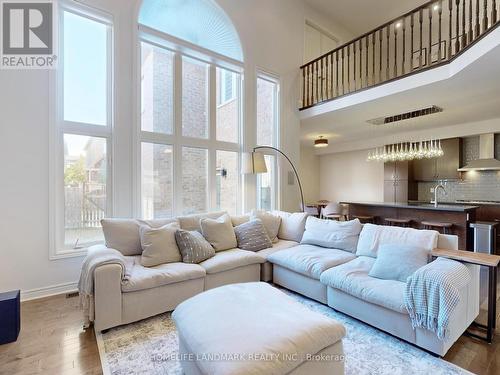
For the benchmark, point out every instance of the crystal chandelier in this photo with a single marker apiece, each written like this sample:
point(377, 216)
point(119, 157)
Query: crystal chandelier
point(407, 151)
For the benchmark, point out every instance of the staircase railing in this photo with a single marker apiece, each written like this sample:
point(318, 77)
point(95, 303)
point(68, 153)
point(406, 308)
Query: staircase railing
point(429, 36)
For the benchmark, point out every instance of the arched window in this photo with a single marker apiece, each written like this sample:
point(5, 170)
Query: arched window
point(200, 22)
point(190, 109)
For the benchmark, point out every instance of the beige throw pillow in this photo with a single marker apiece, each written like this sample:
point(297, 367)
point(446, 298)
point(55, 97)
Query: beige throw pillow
point(158, 245)
point(219, 232)
point(271, 223)
point(123, 234)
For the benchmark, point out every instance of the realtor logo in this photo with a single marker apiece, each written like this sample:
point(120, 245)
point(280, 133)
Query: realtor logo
point(28, 35)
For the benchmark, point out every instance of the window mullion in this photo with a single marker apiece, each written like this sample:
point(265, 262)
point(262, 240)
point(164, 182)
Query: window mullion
point(212, 158)
point(177, 159)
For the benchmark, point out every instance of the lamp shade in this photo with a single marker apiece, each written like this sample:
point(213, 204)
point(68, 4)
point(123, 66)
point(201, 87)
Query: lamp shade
point(253, 162)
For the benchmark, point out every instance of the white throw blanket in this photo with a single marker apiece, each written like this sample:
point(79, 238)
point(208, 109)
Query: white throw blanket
point(432, 293)
point(98, 256)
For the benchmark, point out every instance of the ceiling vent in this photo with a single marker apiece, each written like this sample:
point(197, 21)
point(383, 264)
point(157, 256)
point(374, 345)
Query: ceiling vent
point(406, 116)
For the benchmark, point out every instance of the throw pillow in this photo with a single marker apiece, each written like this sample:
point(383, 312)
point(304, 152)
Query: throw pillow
point(292, 225)
point(271, 223)
point(398, 261)
point(192, 222)
point(219, 232)
point(193, 246)
point(252, 236)
point(123, 234)
point(239, 219)
point(342, 235)
point(158, 245)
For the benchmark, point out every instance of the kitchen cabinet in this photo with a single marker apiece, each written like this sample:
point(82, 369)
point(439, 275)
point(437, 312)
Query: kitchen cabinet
point(443, 168)
point(396, 181)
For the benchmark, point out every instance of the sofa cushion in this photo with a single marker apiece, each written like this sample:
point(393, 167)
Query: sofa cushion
point(158, 245)
point(230, 259)
point(352, 278)
point(310, 260)
point(277, 246)
point(151, 277)
point(123, 234)
point(373, 236)
point(192, 222)
point(193, 246)
point(252, 236)
point(271, 223)
point(219, 232)
point(333, 234)
point(292, 225)
point(398, 262)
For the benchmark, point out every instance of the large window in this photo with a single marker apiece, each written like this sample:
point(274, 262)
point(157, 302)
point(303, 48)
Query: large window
point(267, 135)
point(83, 129)
point(190, 132)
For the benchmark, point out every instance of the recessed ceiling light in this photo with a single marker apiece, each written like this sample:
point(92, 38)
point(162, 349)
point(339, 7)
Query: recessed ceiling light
point(436, 7)
point(321, 142)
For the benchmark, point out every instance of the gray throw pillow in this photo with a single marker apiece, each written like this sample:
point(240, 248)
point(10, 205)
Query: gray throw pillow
point(398, 262)
point(252, 236)
point(193, 246)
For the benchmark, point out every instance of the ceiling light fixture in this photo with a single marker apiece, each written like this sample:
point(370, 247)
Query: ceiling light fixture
point(321, 142)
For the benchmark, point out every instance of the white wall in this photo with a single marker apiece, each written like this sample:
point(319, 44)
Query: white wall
point(348, 176)
point(309, 171)
point(272, 37)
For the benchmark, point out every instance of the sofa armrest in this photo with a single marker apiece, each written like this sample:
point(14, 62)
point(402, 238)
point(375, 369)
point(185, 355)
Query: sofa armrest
point(107, 296)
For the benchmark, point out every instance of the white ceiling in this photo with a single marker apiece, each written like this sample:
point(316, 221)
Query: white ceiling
point(360, 16)
point(472, 95)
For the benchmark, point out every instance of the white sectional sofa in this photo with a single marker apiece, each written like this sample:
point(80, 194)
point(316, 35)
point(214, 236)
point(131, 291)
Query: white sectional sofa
point(153, 290)
point(308, 269)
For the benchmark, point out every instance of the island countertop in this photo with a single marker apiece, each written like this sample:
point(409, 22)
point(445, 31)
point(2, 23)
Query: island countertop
point(417, 206)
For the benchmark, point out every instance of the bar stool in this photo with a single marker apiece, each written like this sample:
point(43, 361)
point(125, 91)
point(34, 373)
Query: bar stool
point(434, 225)
point(397, 222)
point(364, 219)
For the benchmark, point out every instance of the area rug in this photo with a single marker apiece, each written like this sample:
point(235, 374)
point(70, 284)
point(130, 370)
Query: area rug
point(150, 347)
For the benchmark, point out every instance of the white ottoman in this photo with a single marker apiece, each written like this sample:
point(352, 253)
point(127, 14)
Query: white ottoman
point(253, 328)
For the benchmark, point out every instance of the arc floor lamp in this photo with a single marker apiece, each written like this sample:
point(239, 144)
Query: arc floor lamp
point(255, 163)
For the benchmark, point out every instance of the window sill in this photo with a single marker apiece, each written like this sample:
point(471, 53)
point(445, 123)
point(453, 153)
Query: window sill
point(66, 254)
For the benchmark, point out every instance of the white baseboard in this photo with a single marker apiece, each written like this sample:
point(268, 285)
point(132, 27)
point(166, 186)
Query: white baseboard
point(27, 295)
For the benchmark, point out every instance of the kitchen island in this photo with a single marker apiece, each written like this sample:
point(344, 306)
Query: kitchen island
point(458, 215)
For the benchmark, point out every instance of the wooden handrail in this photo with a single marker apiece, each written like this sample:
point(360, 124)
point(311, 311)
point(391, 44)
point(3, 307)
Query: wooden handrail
point(394, 20)
point(428, 36)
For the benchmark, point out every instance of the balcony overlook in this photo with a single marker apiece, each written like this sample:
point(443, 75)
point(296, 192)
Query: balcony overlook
point(432, 35)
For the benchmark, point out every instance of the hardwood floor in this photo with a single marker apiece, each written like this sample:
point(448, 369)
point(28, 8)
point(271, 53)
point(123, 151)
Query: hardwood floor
point(52, 341)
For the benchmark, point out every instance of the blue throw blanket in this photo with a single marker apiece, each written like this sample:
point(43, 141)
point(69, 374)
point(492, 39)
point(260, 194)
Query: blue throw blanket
point(433, 292)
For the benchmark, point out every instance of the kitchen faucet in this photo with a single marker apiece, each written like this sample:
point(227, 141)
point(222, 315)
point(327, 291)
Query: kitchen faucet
point(436, 189)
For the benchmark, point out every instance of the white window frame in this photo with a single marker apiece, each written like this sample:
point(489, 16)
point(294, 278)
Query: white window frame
point(275, 79)
point(59, 127)
point(182, 49)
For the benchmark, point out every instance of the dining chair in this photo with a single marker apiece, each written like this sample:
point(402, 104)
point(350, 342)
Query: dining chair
point(334, 211)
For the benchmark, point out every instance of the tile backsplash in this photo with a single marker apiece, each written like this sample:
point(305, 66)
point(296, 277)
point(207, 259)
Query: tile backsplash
point(476, 185)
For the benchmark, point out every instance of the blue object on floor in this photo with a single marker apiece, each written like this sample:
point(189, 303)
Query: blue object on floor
point(10, 316)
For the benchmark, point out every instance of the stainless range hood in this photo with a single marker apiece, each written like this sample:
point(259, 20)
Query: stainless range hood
point(486, 161)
